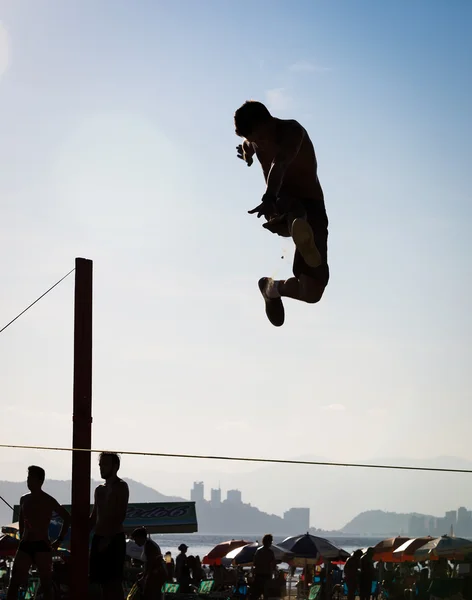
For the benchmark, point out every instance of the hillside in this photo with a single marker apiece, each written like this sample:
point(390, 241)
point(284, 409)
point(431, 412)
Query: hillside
point(378, 522)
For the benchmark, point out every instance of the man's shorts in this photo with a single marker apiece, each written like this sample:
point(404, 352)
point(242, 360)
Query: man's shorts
point(31, 548)
point(107, 565)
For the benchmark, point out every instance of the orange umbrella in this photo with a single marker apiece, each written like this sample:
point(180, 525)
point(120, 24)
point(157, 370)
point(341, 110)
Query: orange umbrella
point(405, 552)
point(221, 550)
point(384, 549)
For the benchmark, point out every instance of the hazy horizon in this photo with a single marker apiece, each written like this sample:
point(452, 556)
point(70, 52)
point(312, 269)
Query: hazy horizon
point(118, 145)
point(276, 488)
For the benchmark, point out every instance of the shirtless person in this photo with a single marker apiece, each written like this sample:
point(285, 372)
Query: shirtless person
point(108, 551)
point(36, 511)
point(264, 567)
point(293, 203)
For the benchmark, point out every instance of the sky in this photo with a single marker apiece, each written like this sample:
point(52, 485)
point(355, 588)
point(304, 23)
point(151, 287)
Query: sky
point(117, 144)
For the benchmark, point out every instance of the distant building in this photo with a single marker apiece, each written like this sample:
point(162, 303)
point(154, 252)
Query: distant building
point(297, 520)
point(234, 497)
point(430, 528)
point(451, 520)
point(197, 493)
point(215, 497)
point(442, 527)
point(417, 526)
point(464, 522)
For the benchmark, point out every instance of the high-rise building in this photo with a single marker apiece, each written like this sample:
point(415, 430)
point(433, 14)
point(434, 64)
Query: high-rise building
point(451, 520)
point(234, 496)
point(464, 522)
point(442, 526)
point(215, 497)
point(417, 526)
point(298, 520)
point(197, 493)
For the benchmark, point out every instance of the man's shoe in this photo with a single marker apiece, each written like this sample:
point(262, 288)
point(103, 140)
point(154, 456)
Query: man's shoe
point(273, 306)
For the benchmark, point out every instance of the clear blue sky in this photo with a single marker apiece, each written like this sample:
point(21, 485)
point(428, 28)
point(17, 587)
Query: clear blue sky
point(117, 144)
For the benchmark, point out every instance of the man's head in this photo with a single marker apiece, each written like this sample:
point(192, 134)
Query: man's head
point(267, 540)
point(109, 463)
point(183, 548)
point(253, 121)
point(358, 554)
point(139, 536)
point(36, 477)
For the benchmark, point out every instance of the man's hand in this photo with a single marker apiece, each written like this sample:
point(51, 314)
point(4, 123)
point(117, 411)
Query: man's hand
point(278, 225)
point(244, 155)
point(266, 208)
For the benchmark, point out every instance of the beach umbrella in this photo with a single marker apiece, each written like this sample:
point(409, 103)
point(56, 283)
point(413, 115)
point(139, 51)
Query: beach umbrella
point(405, 552)
point(444, 547)
point(310, 549)
point(384, 549)
point(234, 553)
point(221, 550)
point(245, 554)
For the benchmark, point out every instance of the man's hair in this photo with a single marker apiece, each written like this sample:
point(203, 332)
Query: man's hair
point(38, 472)
point(267, 540)
point(115, 459)
point(249, 116)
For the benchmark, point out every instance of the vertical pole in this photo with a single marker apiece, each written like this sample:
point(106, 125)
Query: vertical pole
point(81, 429)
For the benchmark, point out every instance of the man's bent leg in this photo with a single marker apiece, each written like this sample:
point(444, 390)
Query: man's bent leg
point(304, 240)
point(19, 575)
point(305, 289)
point(308, 283)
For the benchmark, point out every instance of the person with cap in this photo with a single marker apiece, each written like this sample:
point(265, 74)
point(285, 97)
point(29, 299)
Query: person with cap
point(154, 574)
point(182, 570)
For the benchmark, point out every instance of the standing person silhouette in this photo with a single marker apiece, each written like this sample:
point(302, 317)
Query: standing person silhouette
point(108, 551)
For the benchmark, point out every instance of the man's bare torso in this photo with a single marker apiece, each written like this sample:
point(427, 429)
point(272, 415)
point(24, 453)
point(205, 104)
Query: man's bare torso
point(301, 178)
point(264, 561)
point(108, 502)
point(37, 510)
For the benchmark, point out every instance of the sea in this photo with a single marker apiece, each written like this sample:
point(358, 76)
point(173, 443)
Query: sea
point(201, 544)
